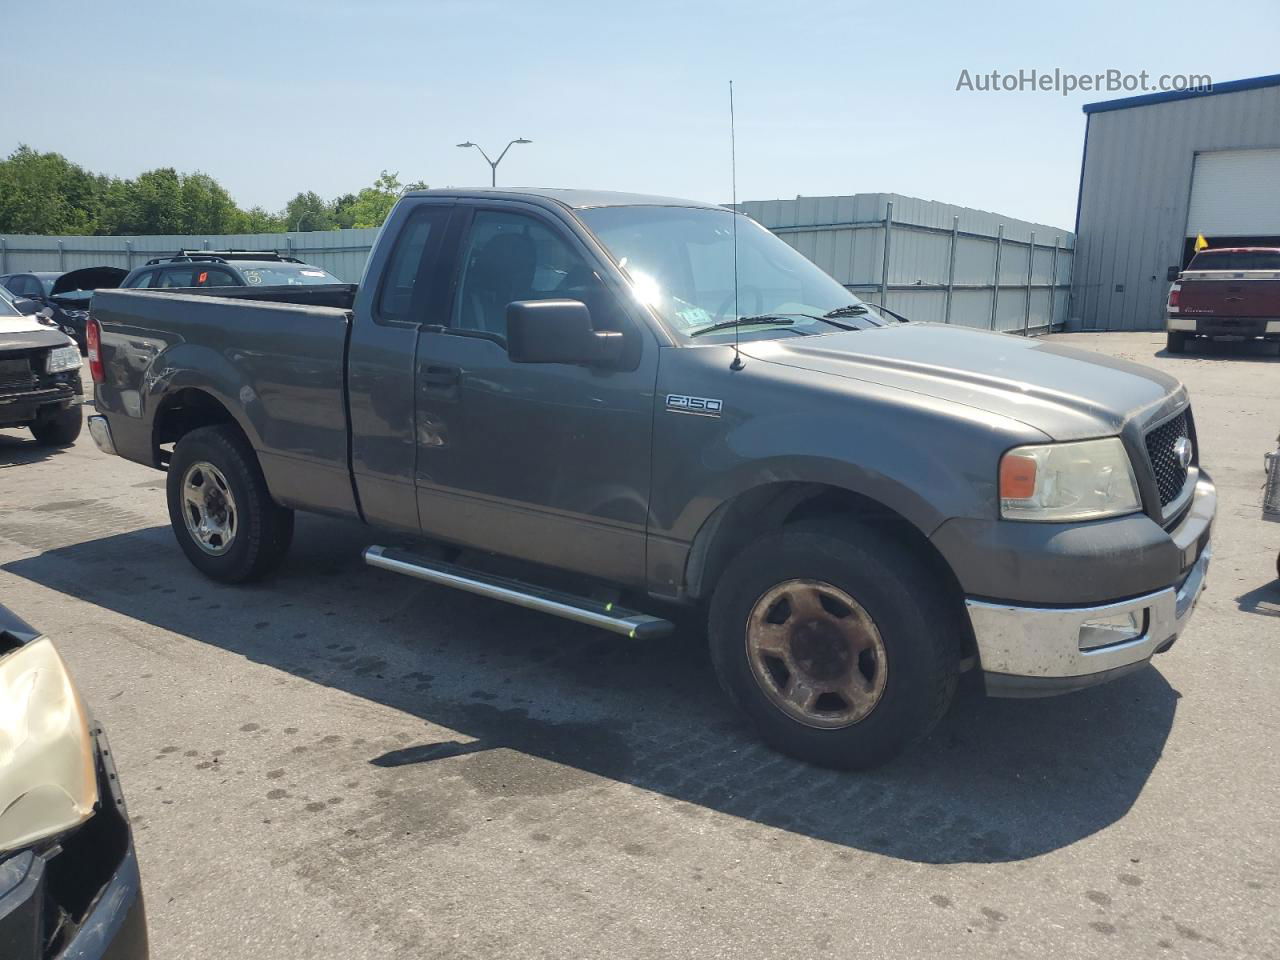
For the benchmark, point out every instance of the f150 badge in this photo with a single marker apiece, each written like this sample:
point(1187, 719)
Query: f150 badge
point(698, 406)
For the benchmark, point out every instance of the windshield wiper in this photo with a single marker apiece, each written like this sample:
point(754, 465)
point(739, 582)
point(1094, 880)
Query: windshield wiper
point(852, 310)
point(742, 321)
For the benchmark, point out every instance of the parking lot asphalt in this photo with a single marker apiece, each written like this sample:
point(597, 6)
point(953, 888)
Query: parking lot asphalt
point(341, 762)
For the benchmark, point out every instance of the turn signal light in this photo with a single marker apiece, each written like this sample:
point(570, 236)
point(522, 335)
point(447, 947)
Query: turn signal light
point(1017, 477)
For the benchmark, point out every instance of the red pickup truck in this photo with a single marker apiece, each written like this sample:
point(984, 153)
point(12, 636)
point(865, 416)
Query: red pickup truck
point(1227, 292)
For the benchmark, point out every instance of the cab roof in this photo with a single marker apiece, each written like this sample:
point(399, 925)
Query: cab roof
point(574, 199)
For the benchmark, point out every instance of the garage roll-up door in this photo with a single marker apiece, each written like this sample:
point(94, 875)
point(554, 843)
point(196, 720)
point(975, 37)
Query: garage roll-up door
point(1235, 193)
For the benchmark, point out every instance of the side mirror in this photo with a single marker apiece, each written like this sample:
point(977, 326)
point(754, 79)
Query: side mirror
point(28, 307)
point(1173, 274)
point(558, 331)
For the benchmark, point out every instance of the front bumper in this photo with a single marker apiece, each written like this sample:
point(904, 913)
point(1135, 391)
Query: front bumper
point(82, 897)
point(1028, 651)
point(21, 409)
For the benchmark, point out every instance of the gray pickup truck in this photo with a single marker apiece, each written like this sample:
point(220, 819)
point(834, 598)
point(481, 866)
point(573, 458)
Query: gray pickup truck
point(660, 403)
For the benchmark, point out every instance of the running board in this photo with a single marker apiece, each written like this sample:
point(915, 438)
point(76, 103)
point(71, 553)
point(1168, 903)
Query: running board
point(606, 616)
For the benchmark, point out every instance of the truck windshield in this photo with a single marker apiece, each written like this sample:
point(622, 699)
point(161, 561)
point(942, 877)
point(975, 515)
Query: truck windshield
point(681, 263)
point(1236, 260)
point(286, 274)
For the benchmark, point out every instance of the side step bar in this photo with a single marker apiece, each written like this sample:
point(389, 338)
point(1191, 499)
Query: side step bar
point(607, 616)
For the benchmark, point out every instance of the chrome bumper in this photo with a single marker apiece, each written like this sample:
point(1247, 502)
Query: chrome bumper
point(100, 430)
point(1037, 651)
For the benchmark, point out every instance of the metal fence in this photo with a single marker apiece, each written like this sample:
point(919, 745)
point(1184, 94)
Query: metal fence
point(923, 259)
point(341, 252)
point(932, 261)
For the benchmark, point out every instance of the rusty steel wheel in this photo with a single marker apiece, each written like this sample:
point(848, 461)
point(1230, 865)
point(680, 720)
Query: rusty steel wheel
point(816, 653)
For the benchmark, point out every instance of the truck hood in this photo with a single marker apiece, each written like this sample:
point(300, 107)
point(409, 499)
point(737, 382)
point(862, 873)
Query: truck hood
point(1066, 393)
point(25, 333)
point(89, 278)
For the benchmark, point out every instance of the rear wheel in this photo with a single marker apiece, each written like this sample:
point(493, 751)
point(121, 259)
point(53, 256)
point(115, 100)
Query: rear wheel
point(58, 428)
point(220, 508)
point(836, 643)
point(1176, 341)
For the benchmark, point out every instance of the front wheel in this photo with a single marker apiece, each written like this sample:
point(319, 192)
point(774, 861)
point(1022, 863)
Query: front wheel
point(220, 508)
point(835, 643)
point(59, 428)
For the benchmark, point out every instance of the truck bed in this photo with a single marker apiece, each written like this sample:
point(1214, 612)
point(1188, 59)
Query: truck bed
point(272, 357)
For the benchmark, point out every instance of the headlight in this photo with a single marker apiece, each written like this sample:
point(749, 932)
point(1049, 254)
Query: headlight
point(1061, 482)
point(47, 772)
point(62, 358)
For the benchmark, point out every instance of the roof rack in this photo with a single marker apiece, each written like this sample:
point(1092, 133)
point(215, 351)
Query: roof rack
point(222, 256)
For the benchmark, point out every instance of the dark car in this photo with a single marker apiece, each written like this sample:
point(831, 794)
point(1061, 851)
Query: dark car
point(226, 268)
point(69, 881)
point(66, 294)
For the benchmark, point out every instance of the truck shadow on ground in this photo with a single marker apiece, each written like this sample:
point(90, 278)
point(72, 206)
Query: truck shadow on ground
point(1234, 350)
point(17, 449)
point(997, 781)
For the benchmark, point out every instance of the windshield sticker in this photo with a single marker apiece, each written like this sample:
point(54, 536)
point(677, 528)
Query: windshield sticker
point(694, 316)
point(312, 273)
point(252, 277)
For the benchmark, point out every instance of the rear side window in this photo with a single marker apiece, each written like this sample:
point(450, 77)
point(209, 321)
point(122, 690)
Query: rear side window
point(25, 286)
point(214, 277)
point(410, 263)
point(177, 277)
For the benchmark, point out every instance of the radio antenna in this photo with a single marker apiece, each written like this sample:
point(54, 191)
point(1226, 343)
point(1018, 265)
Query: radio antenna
point(737, 363)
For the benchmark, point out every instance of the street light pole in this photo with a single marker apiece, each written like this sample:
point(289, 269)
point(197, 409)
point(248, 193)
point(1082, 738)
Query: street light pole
point(493, 164)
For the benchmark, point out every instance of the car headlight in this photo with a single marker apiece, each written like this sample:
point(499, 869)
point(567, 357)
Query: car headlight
point(62, 359)
point(48, 781)
point(1061, 482)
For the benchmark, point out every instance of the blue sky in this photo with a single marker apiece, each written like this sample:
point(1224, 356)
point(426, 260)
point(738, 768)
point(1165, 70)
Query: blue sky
point(832, 98)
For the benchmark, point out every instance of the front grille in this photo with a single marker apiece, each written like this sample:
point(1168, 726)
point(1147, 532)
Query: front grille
point(16, 375)
point(1170, 475)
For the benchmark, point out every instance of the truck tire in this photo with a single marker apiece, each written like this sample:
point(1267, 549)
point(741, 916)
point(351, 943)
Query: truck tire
point(220, 509)
point(1176, 341)
point(835, 642)
point(58, 429)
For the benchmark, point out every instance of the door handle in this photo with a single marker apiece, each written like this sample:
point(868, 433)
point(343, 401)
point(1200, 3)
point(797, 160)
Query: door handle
point(438, 376)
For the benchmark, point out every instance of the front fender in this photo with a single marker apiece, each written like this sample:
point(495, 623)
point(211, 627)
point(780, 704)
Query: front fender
point(922, 459)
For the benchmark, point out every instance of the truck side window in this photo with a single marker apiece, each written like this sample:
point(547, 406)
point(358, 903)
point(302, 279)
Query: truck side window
point(395, 299)
point(510, 256)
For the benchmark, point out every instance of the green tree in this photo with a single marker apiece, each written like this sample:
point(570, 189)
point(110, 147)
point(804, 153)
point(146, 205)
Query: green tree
point(373, 204)
point(46, 193)
point(308, 211)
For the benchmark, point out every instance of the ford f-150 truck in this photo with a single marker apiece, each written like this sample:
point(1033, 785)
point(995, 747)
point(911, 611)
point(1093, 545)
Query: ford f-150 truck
point(661, 403)
point(1228, 292)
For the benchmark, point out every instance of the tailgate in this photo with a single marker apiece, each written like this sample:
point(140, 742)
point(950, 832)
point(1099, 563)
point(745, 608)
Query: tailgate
point(1236, 297)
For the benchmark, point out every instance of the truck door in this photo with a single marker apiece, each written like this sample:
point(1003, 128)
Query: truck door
point(404, 289)
point(546, 462)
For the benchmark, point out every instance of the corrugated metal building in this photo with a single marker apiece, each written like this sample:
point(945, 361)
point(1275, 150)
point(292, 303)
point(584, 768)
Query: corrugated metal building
point(1157, 170)
point(942, 260)
point(941, 265)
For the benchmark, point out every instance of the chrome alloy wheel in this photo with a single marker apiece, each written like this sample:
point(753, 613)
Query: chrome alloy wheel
point(209, 508)
point(816, 653)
